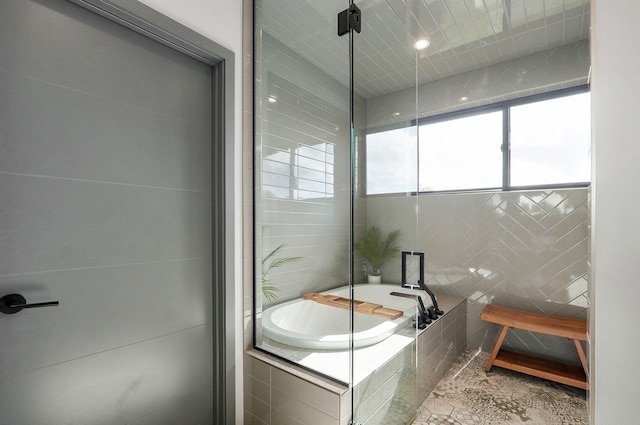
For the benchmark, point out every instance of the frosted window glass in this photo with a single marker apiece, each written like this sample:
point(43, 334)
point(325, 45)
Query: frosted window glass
point(392, 161)
point(462, 153)
point(551, 141)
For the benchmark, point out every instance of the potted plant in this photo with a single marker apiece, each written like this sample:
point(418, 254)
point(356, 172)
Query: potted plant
point(269, 290)
point(377, 250)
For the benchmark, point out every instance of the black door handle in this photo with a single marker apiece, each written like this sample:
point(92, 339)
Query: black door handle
point(13, 303)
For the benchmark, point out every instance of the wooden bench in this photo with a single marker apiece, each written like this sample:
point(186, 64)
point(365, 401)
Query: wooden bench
point(574, 329)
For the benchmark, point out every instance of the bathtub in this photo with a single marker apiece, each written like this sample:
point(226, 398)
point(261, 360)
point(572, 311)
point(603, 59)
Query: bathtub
point(308, 324)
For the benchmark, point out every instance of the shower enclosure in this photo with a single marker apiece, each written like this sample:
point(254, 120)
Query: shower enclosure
point(342, 92)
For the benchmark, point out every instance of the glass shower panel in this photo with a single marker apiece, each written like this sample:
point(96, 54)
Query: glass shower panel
point(335, 168)
point(301, 183)
point(384, 381)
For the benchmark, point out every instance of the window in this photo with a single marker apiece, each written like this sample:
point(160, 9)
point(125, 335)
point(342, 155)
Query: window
point(391, 161)
point(304, 172)
point(548, 138)
point(551, 141)
point(463, 153)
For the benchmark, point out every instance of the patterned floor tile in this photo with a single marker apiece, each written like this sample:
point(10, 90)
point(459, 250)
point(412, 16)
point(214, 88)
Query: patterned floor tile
point(438, 406)
point(468, 395)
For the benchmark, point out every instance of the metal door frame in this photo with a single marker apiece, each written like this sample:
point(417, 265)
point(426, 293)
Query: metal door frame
point(152, 24)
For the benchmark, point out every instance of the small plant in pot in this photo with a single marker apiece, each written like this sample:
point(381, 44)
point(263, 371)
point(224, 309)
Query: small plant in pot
point(377, 250)
point(269, 290)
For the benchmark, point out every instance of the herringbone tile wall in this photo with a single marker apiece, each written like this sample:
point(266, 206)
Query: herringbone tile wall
point(526, 250)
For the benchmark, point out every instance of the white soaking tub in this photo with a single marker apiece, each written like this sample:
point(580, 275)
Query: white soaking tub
point(308, 324)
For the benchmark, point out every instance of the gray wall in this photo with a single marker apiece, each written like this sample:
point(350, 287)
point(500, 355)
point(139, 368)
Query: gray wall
point(616, 207)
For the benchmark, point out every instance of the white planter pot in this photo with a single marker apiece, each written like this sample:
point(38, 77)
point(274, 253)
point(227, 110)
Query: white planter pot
point(374, 279)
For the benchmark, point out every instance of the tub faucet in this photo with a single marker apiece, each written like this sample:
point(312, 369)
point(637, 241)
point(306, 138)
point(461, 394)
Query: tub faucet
point(433, 311)
point(424, 316)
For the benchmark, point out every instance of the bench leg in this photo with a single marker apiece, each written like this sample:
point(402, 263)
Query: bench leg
point(496, 348)
point(583, 358)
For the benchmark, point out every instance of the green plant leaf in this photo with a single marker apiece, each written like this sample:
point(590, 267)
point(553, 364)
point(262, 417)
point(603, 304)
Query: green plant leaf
point(269, 262)
point(377, 250)
point(270, 292)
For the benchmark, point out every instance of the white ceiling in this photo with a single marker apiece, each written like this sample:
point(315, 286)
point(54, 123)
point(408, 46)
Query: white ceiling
point(464, 35)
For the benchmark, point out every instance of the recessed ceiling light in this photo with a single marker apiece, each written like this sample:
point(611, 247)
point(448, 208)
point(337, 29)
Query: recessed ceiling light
point(421, 44)
point(272, 99)
point(463, 99)
point(396, 114)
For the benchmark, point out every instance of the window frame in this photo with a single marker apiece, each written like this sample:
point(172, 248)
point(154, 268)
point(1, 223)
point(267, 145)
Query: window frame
point(504, 106)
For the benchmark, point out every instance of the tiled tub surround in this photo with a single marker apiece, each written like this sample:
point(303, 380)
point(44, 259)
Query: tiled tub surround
point(280, 393)
point(525, 250)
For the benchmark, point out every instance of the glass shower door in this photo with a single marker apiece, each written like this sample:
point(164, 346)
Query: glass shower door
point(335, 162)
point(302, 185)
point(384, 217)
